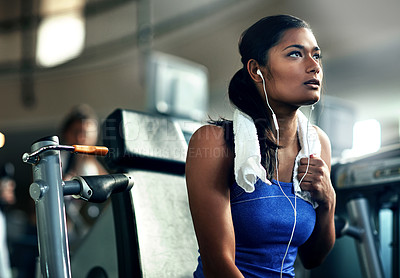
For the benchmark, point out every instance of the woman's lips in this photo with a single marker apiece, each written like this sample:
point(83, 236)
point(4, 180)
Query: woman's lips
point(313, 83)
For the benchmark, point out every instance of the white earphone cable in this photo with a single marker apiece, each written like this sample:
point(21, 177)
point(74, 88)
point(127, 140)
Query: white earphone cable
point(294, 207)
point(295, 199)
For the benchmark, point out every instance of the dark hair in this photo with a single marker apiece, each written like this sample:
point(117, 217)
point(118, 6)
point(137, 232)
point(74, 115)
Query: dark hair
point(79, 113)
point(254, 43)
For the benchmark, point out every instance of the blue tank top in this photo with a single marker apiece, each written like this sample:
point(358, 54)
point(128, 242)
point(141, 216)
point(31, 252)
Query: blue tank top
point(263, 222)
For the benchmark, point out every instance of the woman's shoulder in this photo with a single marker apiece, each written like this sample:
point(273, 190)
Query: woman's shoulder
point(210, 135)
point(323, 137)
point(325, 144)
point(209, 155)
point(208, 144)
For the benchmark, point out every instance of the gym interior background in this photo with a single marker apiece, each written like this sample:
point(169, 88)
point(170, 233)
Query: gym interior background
point(110, 54)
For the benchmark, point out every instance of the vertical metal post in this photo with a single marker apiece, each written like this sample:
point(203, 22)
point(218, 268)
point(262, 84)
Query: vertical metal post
point(396, 238)
point(371, 265)
point(144, 39)
point(145, 26)
point(27, 66)
point(47, 191)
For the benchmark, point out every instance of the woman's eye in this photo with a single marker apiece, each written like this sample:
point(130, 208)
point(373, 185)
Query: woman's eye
point(317, 56)
point(295, 54)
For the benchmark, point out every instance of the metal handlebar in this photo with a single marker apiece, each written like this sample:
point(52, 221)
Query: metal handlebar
point(48, 191)
point(33, 158)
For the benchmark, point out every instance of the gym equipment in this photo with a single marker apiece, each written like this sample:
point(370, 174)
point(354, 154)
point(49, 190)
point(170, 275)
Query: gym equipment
point(48, 191)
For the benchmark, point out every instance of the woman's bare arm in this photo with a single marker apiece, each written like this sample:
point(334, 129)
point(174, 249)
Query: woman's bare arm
point(318, 182)
point(209, 167)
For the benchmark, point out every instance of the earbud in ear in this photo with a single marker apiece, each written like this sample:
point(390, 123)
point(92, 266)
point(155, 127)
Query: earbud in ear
point(259, 72)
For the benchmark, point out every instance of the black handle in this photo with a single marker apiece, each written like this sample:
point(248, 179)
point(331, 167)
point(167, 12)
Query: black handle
point(98, 189)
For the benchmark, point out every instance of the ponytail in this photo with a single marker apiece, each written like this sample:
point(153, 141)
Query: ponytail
point(245, 96)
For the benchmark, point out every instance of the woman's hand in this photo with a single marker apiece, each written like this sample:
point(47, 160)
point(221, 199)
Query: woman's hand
point(317, 180)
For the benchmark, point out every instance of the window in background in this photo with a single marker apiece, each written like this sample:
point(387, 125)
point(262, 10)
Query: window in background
point(170, 78)
point(366, 138)
point(61, 33)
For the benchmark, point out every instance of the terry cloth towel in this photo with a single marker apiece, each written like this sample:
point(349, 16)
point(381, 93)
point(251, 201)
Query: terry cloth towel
point(247, 164)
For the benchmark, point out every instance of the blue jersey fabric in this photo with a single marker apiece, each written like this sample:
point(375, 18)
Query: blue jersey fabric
point(263, 222)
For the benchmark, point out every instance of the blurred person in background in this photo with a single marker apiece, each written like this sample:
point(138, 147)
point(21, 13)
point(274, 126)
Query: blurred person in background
point(7, 198)
point(18, 239)
point(80, 127)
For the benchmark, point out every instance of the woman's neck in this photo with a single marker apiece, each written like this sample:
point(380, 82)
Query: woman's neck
point(290, 146)
point(287, 128)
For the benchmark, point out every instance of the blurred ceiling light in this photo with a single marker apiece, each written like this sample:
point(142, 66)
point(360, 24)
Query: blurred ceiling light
point(61, 33)
point(366, 138)
point(52, 7)
point(2, 139)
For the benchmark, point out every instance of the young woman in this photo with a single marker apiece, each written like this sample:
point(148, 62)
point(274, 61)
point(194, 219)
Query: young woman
point(250, 218)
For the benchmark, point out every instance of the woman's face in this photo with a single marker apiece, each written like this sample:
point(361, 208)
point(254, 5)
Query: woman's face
point(294, 69)
point(82, 132)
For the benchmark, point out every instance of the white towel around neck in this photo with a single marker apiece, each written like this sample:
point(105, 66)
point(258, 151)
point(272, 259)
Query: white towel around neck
point(247, 164)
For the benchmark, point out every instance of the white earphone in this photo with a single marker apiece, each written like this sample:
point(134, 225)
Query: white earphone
point(294, 206)
point(277, 173)
point(269, 106)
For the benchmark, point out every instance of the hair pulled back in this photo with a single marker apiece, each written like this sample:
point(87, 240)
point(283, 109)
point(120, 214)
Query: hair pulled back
point(255, 42)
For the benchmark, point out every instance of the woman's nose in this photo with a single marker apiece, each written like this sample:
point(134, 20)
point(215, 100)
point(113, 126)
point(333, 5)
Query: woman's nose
point(313, 65)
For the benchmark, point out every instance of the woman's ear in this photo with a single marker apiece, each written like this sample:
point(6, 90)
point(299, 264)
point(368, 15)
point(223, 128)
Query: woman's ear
point(253, 68)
